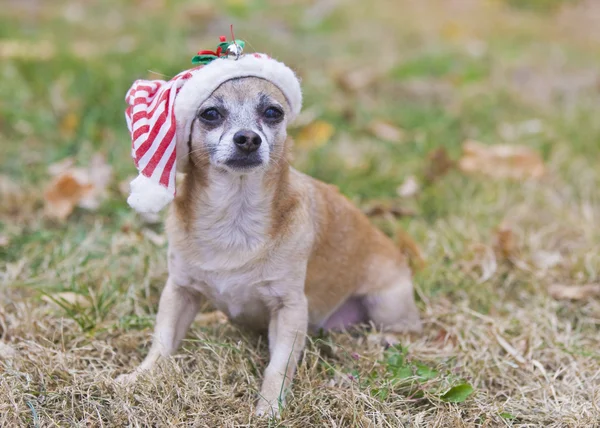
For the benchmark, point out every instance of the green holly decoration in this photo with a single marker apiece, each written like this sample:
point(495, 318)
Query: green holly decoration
point(206, 57)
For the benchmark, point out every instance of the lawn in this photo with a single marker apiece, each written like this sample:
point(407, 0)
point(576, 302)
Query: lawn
point(393, 89)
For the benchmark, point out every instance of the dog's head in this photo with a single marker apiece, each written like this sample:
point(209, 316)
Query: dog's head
point(241, 127)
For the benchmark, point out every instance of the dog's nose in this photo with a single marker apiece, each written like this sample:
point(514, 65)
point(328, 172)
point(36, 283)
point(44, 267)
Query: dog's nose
point(247, 141)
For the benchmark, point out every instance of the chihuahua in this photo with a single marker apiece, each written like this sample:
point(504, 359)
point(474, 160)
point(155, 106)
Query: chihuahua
point(272, 248)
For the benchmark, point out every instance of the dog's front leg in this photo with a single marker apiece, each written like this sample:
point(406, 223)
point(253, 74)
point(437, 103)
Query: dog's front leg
point(176, 311)
point(287, 335)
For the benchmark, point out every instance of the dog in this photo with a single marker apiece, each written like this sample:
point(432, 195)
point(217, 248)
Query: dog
point(272, 248)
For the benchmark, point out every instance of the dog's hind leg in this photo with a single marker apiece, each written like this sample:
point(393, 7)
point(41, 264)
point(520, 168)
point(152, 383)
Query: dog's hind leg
point(176, 310)
point(393, 309)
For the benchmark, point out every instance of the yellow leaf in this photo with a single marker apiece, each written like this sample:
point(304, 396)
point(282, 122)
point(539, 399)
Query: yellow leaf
point(315, 135)
point(69, 124)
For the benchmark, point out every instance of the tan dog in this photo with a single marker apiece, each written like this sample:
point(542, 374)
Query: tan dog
point(269, 246)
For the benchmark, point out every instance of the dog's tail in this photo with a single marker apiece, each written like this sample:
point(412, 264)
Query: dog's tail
point(410, 249)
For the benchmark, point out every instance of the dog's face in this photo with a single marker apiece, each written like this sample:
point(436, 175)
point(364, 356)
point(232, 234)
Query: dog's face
point(241, 127)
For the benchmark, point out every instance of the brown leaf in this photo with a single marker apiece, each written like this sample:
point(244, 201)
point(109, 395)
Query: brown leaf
point(386, 131)
point(63, 194)
point(573, 292)
point(409, 188)
point(501, 161)
point(315, 135)
point(84, 187)
point(438, 164)
point(505, 241)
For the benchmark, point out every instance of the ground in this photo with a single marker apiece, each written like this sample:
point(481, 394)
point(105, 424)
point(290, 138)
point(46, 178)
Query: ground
point(497, 348)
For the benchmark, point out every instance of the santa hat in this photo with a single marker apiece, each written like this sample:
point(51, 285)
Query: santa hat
point(160, 114)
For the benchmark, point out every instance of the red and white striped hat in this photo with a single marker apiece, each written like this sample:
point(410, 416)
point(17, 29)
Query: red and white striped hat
point(160, 112)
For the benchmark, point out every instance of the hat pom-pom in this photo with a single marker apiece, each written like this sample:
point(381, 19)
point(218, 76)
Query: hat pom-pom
point(147, 196)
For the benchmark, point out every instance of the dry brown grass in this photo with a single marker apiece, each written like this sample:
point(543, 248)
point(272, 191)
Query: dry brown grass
point(452, 70)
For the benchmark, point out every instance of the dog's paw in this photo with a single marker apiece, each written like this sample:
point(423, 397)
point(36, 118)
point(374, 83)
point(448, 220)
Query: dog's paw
point(267, 410)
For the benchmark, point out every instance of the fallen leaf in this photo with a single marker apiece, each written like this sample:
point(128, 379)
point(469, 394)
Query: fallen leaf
point(386, 131)
point(573, 292)
point(438, 164)
point(501, 161)
point(64, 193)
point(458, 393)
point(315, 135)
point(505, 241)
point(387, 208)
point(71, 187)
point(69, 124)
point(4, 241)
point(69, 298)
point(409, 188)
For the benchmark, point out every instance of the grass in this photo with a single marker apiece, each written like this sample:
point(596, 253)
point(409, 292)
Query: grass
point(447, 72)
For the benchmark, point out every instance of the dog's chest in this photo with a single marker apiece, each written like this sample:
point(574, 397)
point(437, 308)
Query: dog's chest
point(232, 226)
point(241, 293)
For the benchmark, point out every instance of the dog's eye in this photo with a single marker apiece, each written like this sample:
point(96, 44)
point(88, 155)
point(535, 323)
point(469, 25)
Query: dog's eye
point(273, 113)
point(211, 115)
